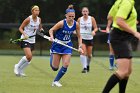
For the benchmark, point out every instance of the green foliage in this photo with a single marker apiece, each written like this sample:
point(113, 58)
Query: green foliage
point(15, 11)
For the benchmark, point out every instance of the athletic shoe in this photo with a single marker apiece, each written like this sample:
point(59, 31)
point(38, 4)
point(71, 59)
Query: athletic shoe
point(84, 70)
point(111, 68)
point(56, 83)
point(22, 74)
point(16, 70)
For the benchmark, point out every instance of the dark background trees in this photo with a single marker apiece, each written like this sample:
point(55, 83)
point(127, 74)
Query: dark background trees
point(15, 11)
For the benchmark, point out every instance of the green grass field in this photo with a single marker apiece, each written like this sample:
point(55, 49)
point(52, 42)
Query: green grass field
point(40, 77)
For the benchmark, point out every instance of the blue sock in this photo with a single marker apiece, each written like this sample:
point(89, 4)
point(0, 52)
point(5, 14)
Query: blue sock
point(61, 72)
point(111, 59)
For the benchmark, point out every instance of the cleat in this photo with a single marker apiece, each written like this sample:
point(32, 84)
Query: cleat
point(111, 68)
point(84, 70)
point(56, 83)
point(16, 70)
point(18, 75)
point(22, 74)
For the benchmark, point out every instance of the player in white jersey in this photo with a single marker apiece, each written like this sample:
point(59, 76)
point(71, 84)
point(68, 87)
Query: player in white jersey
point(28, 28)
point(88, 27)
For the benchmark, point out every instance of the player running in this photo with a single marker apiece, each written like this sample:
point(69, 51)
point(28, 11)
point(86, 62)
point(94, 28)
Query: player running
point(86, 24)
point(28, 28)
point(63, 31)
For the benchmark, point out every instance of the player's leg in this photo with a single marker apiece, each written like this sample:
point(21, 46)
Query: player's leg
point(83, 59)
point(25, 60)
point(111, 57)
point(89, 55)
point(28, 58)
point(123, 55)
point(62, 71)
point(121, 74)
point(123, 82)
point(55, 61)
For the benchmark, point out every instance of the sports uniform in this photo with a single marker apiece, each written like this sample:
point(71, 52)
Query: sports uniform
point(63, 35)
point(86, 30)
point(30, 30)
point(87, 39)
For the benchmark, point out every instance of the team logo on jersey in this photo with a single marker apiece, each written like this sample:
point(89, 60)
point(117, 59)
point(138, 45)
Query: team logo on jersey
point(67, 32)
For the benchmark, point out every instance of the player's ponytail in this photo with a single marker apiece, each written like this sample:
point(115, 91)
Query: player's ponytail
point(70, 6)
point(70, 9)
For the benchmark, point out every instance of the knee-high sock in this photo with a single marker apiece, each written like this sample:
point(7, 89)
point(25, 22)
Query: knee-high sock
point(22, 61)
point(22, 67)
point(111, 59)
point(113, 80)
point(122, 85)
point(83, 59)
point(88, 61)
point(60, 74)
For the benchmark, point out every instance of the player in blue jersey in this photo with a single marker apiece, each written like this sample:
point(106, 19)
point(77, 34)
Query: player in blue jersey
point(63, 31)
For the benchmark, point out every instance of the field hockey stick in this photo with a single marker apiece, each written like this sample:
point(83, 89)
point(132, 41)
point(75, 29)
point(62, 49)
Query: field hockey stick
point(57, 41)
point(19, 40)
point(104, 31)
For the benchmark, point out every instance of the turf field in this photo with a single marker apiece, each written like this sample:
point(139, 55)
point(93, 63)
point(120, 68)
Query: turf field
point(40, 77)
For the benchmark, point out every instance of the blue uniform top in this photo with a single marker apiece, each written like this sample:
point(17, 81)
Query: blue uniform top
point(64, 35)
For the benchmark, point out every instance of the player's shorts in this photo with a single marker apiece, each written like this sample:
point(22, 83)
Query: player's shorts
point(121, 43)
point(87, 42)
point(24, 44)
point(60, 49)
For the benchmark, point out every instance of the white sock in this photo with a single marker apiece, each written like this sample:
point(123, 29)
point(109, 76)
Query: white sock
point(83, 59)
point(22, 67)
point(22, 61)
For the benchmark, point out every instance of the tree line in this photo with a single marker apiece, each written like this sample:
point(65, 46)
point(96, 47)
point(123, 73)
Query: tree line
point(15, 11)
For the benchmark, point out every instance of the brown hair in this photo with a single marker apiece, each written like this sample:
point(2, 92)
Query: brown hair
point(70, 6)
point(85, 7)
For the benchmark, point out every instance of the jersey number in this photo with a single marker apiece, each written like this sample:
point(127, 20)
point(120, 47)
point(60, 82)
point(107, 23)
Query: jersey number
point(66, 37)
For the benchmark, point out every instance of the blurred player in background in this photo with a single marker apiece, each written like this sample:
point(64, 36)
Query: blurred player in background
point(63, 31)
point(28, 28)
point(88, 27)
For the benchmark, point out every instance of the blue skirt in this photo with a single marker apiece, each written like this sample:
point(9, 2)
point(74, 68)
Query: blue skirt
point(60, 49)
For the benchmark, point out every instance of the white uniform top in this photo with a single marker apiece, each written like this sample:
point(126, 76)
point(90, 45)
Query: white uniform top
point(86, 28)
point(30, 29)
